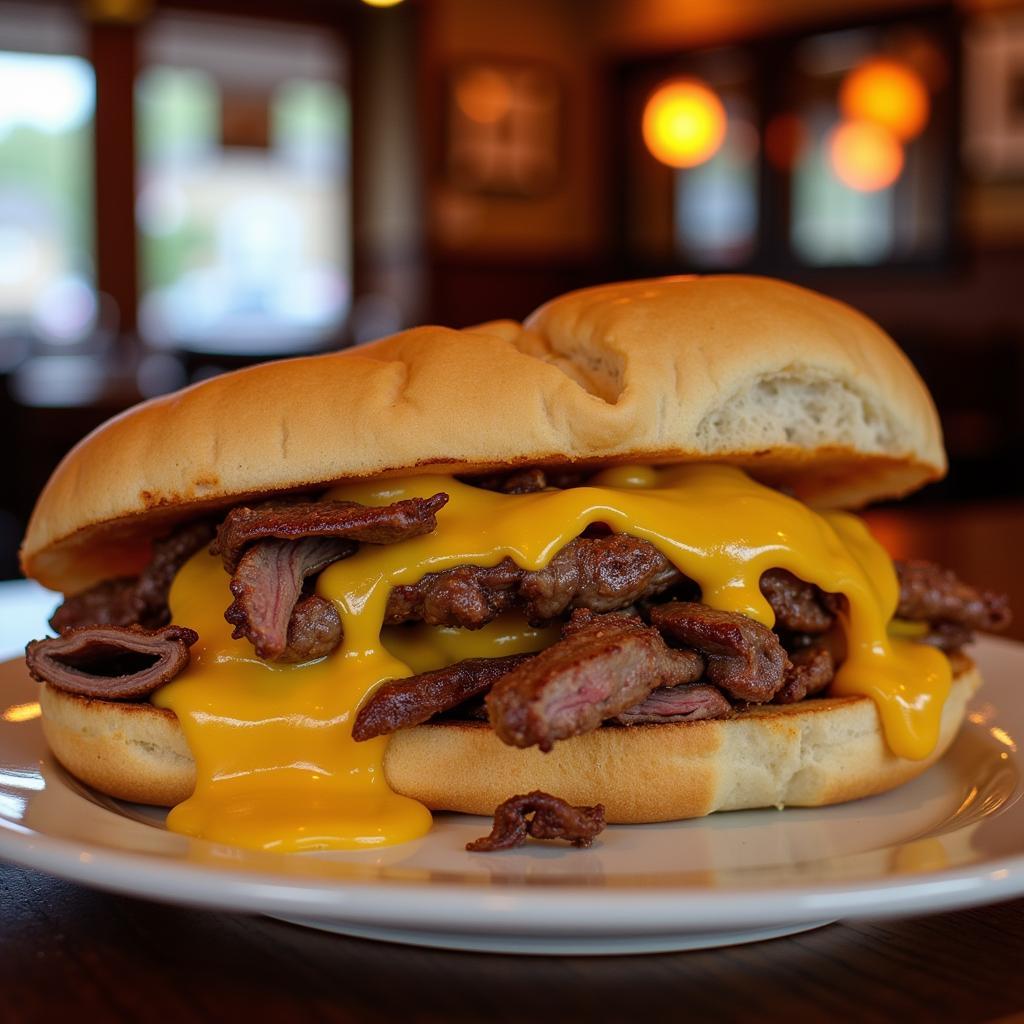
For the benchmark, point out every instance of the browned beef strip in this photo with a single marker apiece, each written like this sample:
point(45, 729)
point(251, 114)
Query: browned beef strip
point(111, 602)
point(744, 658)
point(799, 607)
point(541, 816)
point(601, 573)
point(603, 665)
point(469, 596)
point(313, 632)
point(518, 481)
point(687, 703)
point(928, 593)
point(136, 600)
point(295, 520)
point(948, 636)
point(933, 594)
point(111, 662)
point(811, 669)
point(267, 585)
point(169, 555)
point(401, 702)
point(530, 480)
point(615, 571)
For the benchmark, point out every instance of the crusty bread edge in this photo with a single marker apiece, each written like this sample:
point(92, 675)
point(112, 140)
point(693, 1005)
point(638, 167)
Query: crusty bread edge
point(808, 754)
point(720, 368)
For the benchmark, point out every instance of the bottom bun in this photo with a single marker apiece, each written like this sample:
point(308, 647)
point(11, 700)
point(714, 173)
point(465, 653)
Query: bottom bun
point(815, 752)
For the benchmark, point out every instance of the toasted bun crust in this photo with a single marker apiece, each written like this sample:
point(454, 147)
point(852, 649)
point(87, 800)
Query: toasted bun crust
point(808, 754)
point(799, 388)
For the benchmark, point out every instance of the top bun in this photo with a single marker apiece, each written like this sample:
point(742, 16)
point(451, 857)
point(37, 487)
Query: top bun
point(798, 388)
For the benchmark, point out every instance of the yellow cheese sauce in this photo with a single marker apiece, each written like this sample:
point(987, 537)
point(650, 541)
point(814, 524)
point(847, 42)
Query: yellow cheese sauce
point(276, 765)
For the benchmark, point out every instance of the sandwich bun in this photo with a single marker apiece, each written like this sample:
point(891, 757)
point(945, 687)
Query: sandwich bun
point(815, 752)
point(799, 389)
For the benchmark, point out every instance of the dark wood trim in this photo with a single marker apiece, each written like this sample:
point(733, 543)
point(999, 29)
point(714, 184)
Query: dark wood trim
point(113, 50)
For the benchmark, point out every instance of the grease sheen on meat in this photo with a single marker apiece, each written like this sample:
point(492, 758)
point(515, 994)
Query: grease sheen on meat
point(267, 585)
point(602, 666)
point(744, 658)
point(296, 520)
point(403, 702)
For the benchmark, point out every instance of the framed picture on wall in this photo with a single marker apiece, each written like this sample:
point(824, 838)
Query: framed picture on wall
point(503, 128)
point(994, 97)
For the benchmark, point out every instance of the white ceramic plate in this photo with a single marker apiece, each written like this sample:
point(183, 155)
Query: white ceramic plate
point(952, 838)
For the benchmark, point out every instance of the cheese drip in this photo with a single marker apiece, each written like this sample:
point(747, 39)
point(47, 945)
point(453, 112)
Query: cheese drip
point(276, 765)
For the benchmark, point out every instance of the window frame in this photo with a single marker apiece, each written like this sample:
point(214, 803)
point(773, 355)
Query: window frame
point(772, 250)
point(114, 49)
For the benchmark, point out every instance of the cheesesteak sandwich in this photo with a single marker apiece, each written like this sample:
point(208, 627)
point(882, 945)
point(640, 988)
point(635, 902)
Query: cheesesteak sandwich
point(598, 554)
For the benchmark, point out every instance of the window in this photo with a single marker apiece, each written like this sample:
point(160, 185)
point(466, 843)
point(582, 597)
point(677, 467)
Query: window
point(716, 212)
point(243, 193)
point(868, 180)
point(46, 198)
point(830, 149)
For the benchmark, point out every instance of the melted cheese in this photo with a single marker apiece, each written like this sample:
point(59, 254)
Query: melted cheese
point(426, 648)
point(276, 765)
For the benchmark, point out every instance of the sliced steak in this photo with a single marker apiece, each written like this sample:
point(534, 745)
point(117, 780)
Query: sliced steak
point(811, 669)
point(296, 520)
point(799, 607)
point(541, 816)
point(136, 600)
point(169, 555)
point(744, 658)
point(267, 585)
point(687, 703)
point(602, 574)
point(402, 702)
point(602, 666)
point(313, 632)
point(935, 595)
point(948, 636)
point(469, 596)
point(529, 480)
point(112, 602)
point(111, 662)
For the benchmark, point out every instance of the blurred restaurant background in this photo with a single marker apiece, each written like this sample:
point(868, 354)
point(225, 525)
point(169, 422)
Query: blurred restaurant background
point(187, 187)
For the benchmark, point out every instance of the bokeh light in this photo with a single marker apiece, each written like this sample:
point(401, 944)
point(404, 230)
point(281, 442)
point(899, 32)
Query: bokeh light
point(684, 123)
point(865, 156)
point(889, 93)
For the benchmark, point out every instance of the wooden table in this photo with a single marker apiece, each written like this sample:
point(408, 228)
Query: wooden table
point(69, 953)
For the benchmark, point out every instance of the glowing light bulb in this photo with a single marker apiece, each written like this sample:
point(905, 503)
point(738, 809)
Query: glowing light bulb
point(865, 156)
point(888, 93)
point(684, 123)
point(382, 3)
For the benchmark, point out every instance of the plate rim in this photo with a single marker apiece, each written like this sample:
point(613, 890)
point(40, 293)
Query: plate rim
point(516, 907)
